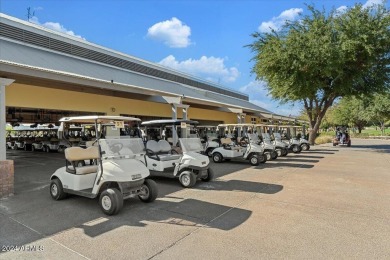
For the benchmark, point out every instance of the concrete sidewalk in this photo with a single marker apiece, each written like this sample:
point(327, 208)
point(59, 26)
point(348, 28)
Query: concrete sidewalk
point(329, 202)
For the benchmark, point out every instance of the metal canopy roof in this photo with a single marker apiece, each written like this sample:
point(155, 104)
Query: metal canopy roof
point(97, 119)
point(168, 122)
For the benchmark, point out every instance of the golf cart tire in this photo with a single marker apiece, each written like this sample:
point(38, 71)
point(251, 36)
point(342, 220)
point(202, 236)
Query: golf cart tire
point(274, 155)
point(305, 147)
point(349, 143)
point(262, 158)
point(47, 149)
point(284, 152)
point(296, 149)
point(209, 152)
point(80, 163)
point(152, 191)
point(56, 190)
point(217, 157)
point(254, 160)
point(187, 179)
point(210, 175)
point(268, 155)
point(111, 201)
point(32, 148)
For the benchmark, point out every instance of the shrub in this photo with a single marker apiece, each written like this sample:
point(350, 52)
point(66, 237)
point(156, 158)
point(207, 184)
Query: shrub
point(323, 139)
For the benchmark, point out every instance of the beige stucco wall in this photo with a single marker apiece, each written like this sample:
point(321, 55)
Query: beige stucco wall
point(20, 95)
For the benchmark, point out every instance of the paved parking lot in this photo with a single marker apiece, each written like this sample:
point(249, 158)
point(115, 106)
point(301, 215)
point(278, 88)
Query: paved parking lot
point(330, 202)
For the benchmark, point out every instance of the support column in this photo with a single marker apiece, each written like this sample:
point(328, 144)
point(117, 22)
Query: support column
point(6, 166)
point(3, 83)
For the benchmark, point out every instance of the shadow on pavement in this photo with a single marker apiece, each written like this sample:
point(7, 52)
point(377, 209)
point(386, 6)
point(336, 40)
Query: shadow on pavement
point(380, 148)
point(238, 185)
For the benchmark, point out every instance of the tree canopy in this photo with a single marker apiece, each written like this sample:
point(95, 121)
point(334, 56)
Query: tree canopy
point(324, 56)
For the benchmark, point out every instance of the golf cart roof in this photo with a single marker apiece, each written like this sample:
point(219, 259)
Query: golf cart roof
point(237, 125)
point(206, 126)
point(98, 119)
point(168, 122)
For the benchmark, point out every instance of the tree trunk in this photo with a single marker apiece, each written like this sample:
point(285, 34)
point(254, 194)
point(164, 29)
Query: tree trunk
point(313, 132)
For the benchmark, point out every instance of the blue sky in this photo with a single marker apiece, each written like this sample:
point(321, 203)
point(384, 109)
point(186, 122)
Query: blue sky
point(205, 38)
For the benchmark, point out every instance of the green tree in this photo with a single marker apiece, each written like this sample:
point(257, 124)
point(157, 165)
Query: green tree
point(379, 110)
point(324, 56)
point(352, 111)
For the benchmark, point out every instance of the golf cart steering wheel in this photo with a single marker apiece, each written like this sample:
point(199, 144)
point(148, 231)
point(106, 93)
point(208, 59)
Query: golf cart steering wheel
point(115, 148)
point(244, 140)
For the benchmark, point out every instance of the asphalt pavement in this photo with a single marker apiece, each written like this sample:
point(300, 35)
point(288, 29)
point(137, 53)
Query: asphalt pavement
point(326, 203)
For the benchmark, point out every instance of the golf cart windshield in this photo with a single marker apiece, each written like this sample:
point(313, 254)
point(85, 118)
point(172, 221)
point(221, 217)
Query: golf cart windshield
point(191, 145)
point(253, 138)
point(121, 147)
point(277, 136)
point(266, 136)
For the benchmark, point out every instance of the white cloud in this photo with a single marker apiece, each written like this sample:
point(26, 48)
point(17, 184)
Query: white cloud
point(370, 3)
point(256, 87)
point(341, 9)
point(55, 26)
point(172, 33)
point(277, 22)
point(210, 68)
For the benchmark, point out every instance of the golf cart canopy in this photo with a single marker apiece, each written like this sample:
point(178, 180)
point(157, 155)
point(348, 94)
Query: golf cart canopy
point(97, 119)
point(169, 122)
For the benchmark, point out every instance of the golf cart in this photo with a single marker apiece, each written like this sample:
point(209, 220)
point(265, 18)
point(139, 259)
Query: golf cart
point(209, 135)
point(300, 135)
point(342, 137)
point(272, 146)
point(246, 149)
point(114, 173)
point(287, 134)
point(187, 165)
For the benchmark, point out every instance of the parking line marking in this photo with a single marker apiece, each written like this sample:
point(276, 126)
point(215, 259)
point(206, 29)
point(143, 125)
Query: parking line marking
point(51, 239)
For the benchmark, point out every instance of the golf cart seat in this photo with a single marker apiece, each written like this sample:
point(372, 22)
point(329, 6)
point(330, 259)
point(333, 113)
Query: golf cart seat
point(161, 151)
point(76, 154)
point(166, 151)
point(227, 144)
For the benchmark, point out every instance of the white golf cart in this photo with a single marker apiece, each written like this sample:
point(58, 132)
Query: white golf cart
point(266, 131)
point(287, 134)
point(252, 152)
point(114, 175)
point(189, 165)
point(269, 149)
point(209, 135)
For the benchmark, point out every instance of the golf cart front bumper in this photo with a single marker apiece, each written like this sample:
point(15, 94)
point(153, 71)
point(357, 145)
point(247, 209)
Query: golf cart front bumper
point(199, 171)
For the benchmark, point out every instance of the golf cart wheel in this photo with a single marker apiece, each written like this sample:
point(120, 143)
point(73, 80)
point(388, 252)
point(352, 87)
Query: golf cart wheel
point(187, 179)
point(210, 175)
point(262, 158)
point(349, 143)
point(150, 191)
point(279, 152)
point(56, 190)
point(80, 163)
point(111, 201)
point(47, 149)
point(254, 160)
point(268, 155)
point(305, 147)
point(274, 155)
point(217, 157)
point(296, 149)
point(25, 147)
point(284, 152)
point(33, 148)
point(209, 152)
